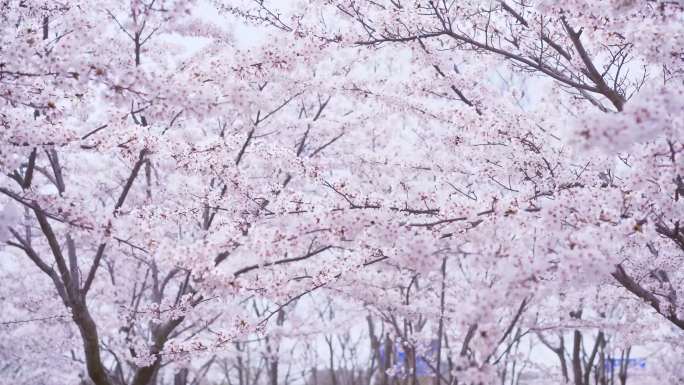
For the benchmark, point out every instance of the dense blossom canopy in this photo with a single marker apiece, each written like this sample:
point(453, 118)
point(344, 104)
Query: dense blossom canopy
point(478, 185)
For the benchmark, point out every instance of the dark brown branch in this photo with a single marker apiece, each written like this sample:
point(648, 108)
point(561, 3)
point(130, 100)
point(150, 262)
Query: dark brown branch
point(93, 268)
point(323, 147)
point(591, 71)
point(244, 146)
point(35, 258)
point(131, 179)
point(635, 288)
point(487, 47)
point(282, 261)
point(28, 176)
point(93, 132)
point(56, 169)
point(47, 230)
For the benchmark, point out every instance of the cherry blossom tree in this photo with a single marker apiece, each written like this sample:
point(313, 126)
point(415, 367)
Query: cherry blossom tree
point(136, 202)
point(618, 86)
point(178, 175)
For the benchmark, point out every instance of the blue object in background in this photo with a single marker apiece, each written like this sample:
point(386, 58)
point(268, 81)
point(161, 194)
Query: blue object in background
point(629, 362)
point(423, 369)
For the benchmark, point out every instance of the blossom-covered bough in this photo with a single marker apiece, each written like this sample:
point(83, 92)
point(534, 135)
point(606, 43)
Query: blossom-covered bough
point(480, 174)
point(143, 176)
point(549, 181)
point(598, 60)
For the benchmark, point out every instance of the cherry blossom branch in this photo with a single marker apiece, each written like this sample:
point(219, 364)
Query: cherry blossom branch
point(635, 288)
point(591, 71)
point(41, 319)
point(310, 290)
point(308, 255)
point(131, 178)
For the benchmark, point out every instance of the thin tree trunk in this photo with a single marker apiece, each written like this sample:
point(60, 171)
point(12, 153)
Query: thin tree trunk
point(576, 358)
point(440, 328)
